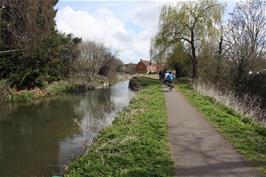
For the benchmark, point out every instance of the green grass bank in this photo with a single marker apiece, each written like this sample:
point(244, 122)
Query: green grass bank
point(247, 137)
point(135, 145)
point(11, 95)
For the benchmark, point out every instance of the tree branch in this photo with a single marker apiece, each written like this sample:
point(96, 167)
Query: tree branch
point(11, 51)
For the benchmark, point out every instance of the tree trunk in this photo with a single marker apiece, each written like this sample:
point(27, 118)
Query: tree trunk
point(194, 57)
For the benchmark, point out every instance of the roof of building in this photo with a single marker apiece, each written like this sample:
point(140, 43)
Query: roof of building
point(146, 62)
point(159, 64)
point(131, 64)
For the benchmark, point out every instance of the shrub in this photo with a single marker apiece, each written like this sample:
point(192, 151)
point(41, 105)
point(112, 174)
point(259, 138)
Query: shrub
point(184, 80)
point(57, 87)
point(21, 96)
point(256, 85)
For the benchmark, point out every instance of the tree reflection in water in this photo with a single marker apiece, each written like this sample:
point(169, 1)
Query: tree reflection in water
point(40, 138)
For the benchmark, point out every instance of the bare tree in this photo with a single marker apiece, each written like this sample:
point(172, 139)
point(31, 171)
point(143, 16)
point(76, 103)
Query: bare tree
point(246, 41)
point(92, 56)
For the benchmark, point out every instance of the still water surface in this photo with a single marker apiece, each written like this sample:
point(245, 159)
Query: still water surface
point(40, 139)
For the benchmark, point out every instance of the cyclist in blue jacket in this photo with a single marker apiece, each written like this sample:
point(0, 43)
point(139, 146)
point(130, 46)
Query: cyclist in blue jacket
point(170, 77)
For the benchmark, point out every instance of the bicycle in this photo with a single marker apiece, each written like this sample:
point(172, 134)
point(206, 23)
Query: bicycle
point(170, 85)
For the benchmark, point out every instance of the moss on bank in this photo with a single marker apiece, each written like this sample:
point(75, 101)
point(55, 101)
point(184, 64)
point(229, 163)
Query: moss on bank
point(135, 145)
point(248, 138)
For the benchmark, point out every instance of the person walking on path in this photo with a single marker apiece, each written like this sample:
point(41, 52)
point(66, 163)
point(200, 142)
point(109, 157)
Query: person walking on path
point(161, 76)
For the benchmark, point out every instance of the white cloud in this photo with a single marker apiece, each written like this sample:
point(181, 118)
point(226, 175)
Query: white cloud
point(146, 15)
point(87, 26)
point(125, 26)
point(118, 33)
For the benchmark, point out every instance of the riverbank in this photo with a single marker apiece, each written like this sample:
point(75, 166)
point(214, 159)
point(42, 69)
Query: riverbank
point(248, 137)
point(136, 144)
point(71, 85)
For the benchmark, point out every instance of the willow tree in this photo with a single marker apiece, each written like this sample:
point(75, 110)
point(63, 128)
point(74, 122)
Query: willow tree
point(189, 23)
point(178, 60)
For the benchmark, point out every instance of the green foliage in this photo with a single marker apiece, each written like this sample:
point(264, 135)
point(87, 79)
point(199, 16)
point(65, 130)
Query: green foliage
point(179, 61)
point(32, 52)
point(247, 137)
point(184, 80)
point(50, 62)
point(23, 96)
point(25, 77)
point(62, 49)
point(57, 87)
point(193, 40)
point(188, 24)
point(135, 145)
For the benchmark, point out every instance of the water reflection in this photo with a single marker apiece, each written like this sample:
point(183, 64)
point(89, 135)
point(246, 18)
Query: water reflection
point(40, 139)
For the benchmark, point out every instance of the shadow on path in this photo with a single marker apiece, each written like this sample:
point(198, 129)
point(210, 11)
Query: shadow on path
point(216, 170)
point(196, 147)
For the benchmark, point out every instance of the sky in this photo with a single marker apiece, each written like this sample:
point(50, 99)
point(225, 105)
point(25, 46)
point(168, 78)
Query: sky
point(126, 27)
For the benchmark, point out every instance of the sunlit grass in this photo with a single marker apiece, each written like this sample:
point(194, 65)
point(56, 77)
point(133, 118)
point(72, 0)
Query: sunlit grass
point(135, 145)
point(248, 137)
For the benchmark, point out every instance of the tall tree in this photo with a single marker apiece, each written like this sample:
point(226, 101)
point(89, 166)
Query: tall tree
point(27, 37)
point(245, 43)
point(189, 23)
point(92, 57)
point(24, 24)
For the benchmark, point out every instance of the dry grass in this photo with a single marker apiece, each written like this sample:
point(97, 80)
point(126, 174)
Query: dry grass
point(247, 106)
point(246, 135)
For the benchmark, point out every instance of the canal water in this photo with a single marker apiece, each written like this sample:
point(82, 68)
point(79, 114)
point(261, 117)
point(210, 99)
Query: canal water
point(41, 138)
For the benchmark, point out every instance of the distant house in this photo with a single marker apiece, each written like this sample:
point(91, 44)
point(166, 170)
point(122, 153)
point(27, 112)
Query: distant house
point(145, 66)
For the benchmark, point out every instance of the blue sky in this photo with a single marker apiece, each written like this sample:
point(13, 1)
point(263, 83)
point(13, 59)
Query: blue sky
point(124, 26)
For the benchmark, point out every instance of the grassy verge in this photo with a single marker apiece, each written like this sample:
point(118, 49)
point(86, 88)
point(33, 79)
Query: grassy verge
point(57, 87)
point(135, 145)
point(248, 138)
point(28, 95)
point(72, 85)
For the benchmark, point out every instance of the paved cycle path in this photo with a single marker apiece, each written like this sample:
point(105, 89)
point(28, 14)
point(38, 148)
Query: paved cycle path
point(196, 147)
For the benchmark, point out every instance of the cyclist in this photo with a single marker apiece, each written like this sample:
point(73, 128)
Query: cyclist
point(169, 80)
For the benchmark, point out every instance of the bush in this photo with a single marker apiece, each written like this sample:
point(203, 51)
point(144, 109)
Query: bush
point(57, 87)
point(184, 80)
point(111, 66)
point(134, 84)
point(22, 96)
point(256, 85)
